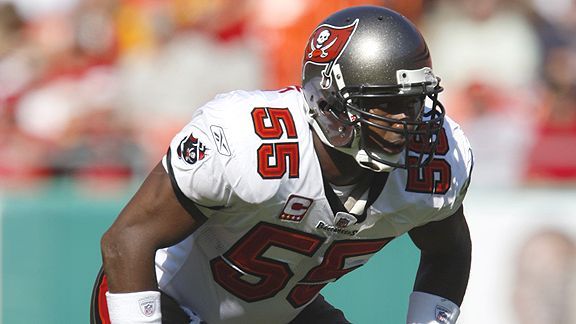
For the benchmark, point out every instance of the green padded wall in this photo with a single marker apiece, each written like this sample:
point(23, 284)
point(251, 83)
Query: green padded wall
point(50, 256)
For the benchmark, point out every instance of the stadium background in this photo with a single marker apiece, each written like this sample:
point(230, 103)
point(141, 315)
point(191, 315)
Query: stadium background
point(92, 90)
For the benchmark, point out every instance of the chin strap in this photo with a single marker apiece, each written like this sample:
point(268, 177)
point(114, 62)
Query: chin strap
point(358, 198)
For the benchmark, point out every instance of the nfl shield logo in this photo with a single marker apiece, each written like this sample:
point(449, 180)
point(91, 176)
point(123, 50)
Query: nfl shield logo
point(343, 219)
point(442, 314)
point(147, 306)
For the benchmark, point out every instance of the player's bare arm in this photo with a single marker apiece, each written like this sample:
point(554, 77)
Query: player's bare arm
point(153, 219)
point(445, 257)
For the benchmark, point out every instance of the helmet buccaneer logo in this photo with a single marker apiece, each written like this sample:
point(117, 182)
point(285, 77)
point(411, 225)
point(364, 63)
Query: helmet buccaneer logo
point(326, 45)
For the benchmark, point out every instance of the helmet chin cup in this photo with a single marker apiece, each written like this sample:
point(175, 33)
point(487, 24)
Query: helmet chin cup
point(384, 163)
point(365, 161)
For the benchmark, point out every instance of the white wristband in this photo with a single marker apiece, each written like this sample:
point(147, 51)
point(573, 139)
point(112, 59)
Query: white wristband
point(431, 309)
point(141, 307)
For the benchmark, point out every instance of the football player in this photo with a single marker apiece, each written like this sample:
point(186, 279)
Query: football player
point(265, 197)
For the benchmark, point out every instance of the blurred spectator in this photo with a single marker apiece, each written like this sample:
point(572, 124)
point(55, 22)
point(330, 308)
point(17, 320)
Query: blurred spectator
point(491, 42)
point(189, 52)
point(545, 282)
point(100, 149)
point(551, 157)
point(18, 60)
point(554, 22)
point(487, 54)
point(11, 24)
point(500, 128)
point(23, 157)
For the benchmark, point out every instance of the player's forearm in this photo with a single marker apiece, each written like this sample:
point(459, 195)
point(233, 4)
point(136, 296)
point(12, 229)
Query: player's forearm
point(128, 263)
point(445, 275)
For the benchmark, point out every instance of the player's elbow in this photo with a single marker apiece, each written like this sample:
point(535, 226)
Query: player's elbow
point(120, 244)
point(112, 246)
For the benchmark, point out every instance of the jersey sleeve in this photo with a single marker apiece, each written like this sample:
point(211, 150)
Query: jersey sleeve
point(194, 166)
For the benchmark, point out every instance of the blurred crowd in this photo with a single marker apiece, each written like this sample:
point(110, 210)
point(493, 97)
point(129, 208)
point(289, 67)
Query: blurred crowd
point(93, 90)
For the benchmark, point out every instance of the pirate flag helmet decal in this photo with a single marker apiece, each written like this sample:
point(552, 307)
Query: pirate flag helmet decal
point(327, 43)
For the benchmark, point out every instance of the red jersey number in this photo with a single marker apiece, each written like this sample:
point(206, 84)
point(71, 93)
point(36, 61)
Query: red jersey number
point(275, 159)
point(245, 272)
point(246, 260)
point(436, 176)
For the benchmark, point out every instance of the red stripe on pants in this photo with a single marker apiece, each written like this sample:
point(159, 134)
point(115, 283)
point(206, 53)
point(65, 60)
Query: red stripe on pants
point(102, 303)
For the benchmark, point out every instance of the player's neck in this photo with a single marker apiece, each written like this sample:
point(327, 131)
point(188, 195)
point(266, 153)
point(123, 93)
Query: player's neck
point(338, 168)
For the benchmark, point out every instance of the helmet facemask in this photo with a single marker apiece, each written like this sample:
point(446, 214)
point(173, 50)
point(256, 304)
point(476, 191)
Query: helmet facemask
point(382, 126)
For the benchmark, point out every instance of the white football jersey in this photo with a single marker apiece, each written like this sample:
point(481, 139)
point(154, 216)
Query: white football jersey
point(275, 233)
